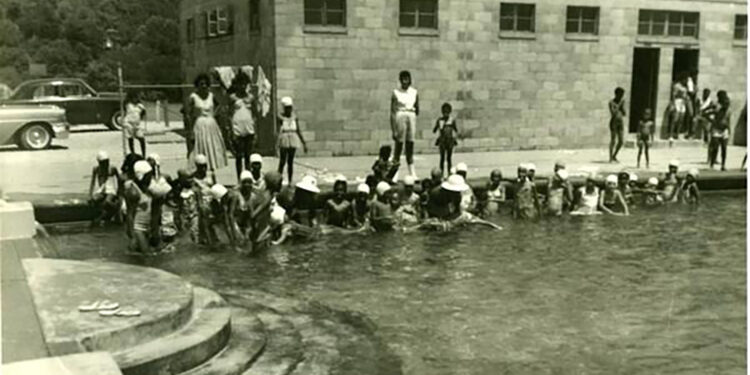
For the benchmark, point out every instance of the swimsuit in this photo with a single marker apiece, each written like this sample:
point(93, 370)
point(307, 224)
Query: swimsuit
point(589, 202)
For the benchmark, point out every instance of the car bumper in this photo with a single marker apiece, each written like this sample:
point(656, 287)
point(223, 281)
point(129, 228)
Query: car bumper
point(61, 130)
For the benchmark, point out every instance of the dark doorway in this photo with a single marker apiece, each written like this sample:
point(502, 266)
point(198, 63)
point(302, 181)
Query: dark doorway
point(685, 64)
point(644, 88)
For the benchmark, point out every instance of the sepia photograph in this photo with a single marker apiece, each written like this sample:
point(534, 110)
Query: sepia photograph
point(373, 187)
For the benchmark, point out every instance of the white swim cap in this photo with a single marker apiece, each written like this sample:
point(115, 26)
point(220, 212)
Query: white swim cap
point(363, 188)
point(633, 177)
point(382, 187)
point(102, 155)
point(612, 179)
point(409, 180)
point(287, 101)
point(462, 167)
point(674, 163)
point(246, 175)
point(218, 191)
point(340, 178)
point(140, 168)
point(256, 158)
point(201, 159)
point(653, 181)
point(531, 167)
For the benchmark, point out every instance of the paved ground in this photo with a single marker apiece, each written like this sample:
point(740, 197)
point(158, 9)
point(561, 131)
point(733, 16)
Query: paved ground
point(66, 169)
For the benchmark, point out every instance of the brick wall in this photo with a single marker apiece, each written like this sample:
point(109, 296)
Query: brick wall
point(508, 93)
point(547, 92)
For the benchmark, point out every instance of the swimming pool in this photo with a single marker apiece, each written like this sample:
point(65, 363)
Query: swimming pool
point(659, 292)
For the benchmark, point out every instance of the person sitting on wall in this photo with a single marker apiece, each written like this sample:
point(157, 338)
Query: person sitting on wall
point(104, 189)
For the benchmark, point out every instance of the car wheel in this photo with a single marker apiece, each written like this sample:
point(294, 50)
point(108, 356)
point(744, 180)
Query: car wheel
point(115, 121)
point(35, 137)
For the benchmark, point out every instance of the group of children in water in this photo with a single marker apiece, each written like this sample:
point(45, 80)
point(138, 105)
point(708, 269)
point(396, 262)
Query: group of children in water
point(259, 211)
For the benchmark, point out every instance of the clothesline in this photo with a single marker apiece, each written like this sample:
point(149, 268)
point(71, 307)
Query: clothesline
point(227, 75)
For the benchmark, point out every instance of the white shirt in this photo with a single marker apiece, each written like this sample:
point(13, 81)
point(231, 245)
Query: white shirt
point(405, 99)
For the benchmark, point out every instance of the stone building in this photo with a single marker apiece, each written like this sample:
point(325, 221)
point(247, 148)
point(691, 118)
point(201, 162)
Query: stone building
point(520, 74)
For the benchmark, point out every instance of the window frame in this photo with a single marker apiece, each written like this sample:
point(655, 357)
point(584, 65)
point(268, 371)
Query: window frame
point(215, 18)
point(417, 14)
point(665, 19)
point(190, 29)
point(515, 17)
point(579, 21)
point(738, 27)
point(253, 23)
point(323, 12)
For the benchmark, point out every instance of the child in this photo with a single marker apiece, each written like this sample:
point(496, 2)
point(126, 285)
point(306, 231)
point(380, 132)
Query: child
point(689, 191)
point(496, 192)
point(338, 209)
point(645, 136)
point(611, 200)
point(188, 205)
point(671, 182)
point(303, 210)
point(290, 137)
point(623, 184)
point(720, 130)
point(468, 200)
point(651, 196)
point(526, 203)
point(616, 123)
point(135, 112)
point(384, 169)
point(243, 129)
point(381, 214)
point(446, 140)
point(410, 198)
point(361, 205)
point(558, 194)
point(104, 189)
point(588, 198)
point(404, 214)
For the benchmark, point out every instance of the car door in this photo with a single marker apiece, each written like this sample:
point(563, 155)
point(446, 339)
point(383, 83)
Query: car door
point(80, 107)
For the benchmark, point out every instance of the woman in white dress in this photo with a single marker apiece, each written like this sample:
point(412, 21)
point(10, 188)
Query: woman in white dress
point(208, 138)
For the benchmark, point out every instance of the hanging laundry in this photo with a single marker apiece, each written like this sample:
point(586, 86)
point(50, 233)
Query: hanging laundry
point(226, 75)
point(248, 70)
point(264, 92)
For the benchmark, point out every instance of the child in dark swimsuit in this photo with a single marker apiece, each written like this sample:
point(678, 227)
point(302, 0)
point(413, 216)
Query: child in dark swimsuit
point(339, 209)
point(611, 200)
point(446, 140)
point(689, 192)
point(361, 206)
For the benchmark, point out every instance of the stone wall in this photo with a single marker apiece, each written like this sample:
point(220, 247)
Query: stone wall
point(508, 91)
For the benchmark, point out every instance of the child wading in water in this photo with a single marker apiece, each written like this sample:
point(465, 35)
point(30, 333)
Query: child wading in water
point(526, 202)
point(338, 209)
point(689, 191)
point(671, 183)
point(134, 114)
point(448, 131)
point(645, 135)
point(290, 137)
point(611, 200)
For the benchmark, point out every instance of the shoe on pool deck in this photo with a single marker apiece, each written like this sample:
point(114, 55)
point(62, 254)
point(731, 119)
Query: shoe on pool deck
point(109, 312)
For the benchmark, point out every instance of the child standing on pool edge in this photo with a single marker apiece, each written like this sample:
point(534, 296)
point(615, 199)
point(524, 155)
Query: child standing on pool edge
point(446, 126)
point(290, 137)
point(645, 135)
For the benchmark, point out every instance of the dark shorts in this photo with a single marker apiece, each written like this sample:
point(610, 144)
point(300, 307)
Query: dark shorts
point(643, 139)
point(243, 145)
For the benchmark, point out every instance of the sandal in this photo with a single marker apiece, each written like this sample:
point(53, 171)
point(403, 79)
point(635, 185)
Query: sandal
point(109, 312)
point(89, 306)
point(107, 305)
point(128, 312)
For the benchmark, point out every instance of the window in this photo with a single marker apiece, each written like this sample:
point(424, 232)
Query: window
point(517, 17)
point(422, 14)
point(582, 20)
point(668, 23)
point(325, 12)
point(190, 30)
point(217, 22)
point(254, 21)
point(740, 27)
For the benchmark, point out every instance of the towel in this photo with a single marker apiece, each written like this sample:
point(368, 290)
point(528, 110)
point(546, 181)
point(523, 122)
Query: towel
point(264, 92)
point(248, 69)
point(226, 75)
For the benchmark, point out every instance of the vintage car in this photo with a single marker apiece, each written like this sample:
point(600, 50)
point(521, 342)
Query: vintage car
point(82, 104)
point(32, 127)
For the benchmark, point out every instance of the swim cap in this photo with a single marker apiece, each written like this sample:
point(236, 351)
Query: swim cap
point(363, 188)
point(653, 181)
point(633, 177)
point(102, 155)
point(409, 180)
point(140, 169)
point(256, 158)
point(340, 178)
point(246, 175)
point(674, 163)
point(382, 187)
point(462, 167)
point(612, 179)
point(218, 191)
point(201, 159)
point(287, 101)
point(531, 167)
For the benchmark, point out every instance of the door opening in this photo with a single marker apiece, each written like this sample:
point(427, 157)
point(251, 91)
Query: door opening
point(644, 87)
point(684, 65)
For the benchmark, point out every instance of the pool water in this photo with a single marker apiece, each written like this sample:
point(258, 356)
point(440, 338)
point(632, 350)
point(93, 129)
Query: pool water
point(659, 292)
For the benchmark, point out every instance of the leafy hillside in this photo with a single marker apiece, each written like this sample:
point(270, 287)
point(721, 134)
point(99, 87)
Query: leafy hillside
point(69, 37)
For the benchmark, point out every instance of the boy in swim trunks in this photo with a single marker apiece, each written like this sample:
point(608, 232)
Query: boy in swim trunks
point(381, 213)
point(645, 136)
